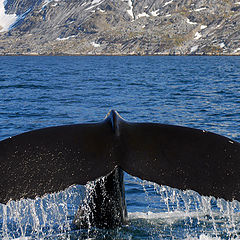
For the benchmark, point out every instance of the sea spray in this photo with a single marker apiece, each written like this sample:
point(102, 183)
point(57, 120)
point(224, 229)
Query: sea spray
point(186, 213)
point(40, 217)
point(162, 213)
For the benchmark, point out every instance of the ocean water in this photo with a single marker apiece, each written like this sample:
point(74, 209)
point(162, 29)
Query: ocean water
point(199, 92)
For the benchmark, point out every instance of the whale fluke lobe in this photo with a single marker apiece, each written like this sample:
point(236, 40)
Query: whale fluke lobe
point(51, 159)
point(183, 158)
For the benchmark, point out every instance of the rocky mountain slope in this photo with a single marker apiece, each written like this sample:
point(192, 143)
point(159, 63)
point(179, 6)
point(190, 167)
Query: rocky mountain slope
point(116, 27)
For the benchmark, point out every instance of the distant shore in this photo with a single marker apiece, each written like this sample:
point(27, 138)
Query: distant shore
point(109, 55)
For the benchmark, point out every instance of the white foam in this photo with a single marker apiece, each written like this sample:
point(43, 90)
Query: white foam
point(203, 237)
point(6, 20)
point(172, 216)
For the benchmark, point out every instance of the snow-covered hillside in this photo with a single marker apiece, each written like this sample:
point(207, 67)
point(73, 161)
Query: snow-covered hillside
point(6, 20)
point(120, 27)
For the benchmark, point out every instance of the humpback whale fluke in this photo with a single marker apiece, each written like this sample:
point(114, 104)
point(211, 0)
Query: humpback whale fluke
point(51, 159)
point(104, 205)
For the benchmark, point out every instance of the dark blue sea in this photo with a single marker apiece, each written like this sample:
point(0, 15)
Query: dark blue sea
point(198, 92)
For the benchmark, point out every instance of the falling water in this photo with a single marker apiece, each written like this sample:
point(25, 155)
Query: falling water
point(41, 217)
point(175, 214)
point(155, 212)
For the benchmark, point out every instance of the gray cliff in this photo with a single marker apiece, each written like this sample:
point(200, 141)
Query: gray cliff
point(122, 27)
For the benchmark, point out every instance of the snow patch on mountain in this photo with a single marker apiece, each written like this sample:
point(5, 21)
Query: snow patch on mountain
point(200, 9)
point(64, 39)
point(96, 45)
point(167, 3)
point(130, 11)
point(46, 2)
point(237, 50)
point(142, 15)
point(197, 35)
point(6, 20)
point(155, 13)
point(189, 22)
point(94, 3)
point(222, 45)
point(194, 49)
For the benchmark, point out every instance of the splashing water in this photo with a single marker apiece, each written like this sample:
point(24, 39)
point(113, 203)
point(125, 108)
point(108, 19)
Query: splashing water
point(41, 217)
point(155, 212)
point(174, 214)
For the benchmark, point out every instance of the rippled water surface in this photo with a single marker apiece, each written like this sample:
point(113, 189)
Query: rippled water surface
point(200, 92)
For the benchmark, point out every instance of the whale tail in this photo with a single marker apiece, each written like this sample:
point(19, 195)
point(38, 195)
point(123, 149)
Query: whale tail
point(104, 205)
point(51, 159)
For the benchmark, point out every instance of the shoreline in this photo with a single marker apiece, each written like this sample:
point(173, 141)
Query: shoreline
point(120, 55)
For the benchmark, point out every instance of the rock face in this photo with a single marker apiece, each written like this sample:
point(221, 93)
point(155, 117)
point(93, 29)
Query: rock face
point(121, 27)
